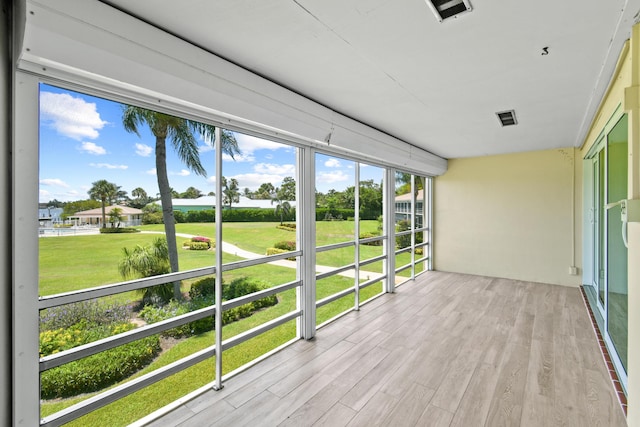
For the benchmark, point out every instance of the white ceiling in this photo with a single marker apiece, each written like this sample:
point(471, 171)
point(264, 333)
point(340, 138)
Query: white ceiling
point(390, 64)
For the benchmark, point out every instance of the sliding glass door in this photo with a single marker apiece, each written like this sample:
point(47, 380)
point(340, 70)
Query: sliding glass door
point(606, 263)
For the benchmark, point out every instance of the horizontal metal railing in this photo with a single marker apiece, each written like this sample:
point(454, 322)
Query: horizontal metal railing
point(118, 288)
point(95, 402)
point(118, 392)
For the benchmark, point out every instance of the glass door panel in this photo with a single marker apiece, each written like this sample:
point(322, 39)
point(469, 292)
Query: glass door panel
point(617, 292)
point(600, 226)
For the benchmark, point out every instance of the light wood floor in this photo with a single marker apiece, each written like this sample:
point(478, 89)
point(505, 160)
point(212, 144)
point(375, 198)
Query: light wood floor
point(446, 350)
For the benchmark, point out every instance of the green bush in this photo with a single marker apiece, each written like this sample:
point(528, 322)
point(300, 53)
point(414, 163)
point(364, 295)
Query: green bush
point(118, 230)
point(202, 294)
point(286, 245)
point(152, 218)
point(198, 246)
point(57, 340)
point(276, 251)
point(203, 288)
point(245, 286)
point(367, 235)
point(234, 215)
point(98, 371)
point(153, 314)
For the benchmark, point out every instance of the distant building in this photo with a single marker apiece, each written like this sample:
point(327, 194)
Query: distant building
point(130, 216)
point(403, 208)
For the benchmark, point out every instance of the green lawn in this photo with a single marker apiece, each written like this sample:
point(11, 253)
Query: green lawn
point(75, 262)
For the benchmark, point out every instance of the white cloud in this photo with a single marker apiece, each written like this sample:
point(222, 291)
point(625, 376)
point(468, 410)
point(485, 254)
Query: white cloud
point(332, 163)
point(205, 148)
point(269, 168)
point(55, 182)
point(143, 150)
point(151, 172)
point(45, 196)
point(93, 148)
point(183, 172)
point(244, 157)
point(212, 180)
point(331, 177)
point(69, 116)
point(108, 166)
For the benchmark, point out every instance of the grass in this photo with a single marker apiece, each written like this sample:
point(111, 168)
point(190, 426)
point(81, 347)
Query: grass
point(76, 262)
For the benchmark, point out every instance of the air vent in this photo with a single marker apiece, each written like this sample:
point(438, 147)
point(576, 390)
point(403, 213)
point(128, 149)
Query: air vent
point(444, 9)
point(507, 118)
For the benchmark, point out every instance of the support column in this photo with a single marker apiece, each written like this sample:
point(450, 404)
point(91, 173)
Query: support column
point(389, 227)
point(306, 236)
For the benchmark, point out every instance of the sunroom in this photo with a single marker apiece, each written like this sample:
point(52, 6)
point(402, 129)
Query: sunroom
point(453, 237)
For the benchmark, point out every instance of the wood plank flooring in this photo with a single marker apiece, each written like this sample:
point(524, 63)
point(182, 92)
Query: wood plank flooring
point(445, 350)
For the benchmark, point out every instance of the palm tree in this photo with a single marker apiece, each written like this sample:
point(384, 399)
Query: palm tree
point(103, 190)
point(283, 208)
point(147, 261)
point(231, 193)
point(115, 216)
point(180, 133)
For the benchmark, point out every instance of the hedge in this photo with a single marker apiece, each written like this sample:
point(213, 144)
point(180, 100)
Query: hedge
point(118, 230)
point(202, 294)
point(257, 215)
point(98, 371)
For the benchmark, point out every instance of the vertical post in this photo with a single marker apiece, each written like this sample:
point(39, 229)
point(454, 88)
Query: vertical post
point(6, 78)
point(412, 226)
point(26, 380)
point(428, 211)
point(218, 287)
point(388, 228)
point(306, 235)
point(356, 218)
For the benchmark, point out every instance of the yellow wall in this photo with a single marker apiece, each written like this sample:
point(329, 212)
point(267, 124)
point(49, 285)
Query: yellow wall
point(509, 216)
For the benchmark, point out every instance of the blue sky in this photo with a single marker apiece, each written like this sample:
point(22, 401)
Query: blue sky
point(82, 140)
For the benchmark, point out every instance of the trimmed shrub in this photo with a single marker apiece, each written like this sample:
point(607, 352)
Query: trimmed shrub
point(202, 295)
point(367, 235)
point(203, 288)
point(244, 286)
point(286, 245)
point(276, 251)
point(98, 371)
point(118, 230)
point(198, 246)
point(153, 314)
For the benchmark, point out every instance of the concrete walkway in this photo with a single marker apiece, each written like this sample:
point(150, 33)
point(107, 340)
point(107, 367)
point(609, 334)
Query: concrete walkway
point(234, 250)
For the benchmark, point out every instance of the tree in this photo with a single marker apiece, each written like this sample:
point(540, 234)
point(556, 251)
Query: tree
point(247, 193)
point(282, 208)
point(287, 190)
point(230, 192)
point(147, 261)
point(191, 193)
point(104, 191)
point(265, 192)
point(180, 133)
point(115, 216)
point(141, 198)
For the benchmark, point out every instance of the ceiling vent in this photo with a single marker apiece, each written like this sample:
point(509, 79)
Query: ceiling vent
point(444, 9)
point(507, 118)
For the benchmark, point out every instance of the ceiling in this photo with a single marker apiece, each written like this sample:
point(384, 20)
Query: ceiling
point(391, 65)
